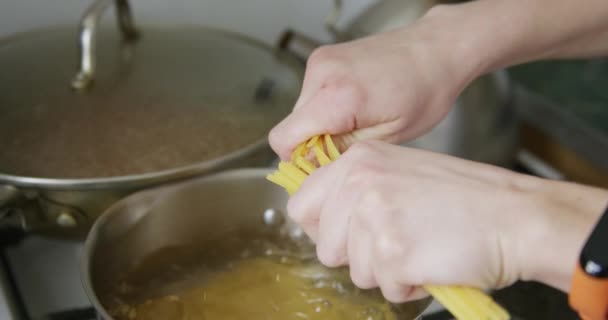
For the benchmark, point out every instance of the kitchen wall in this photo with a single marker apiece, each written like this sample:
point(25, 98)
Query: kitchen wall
point(263, 19)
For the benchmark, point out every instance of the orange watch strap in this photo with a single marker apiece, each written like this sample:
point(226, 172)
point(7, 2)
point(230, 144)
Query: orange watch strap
point(589, 295)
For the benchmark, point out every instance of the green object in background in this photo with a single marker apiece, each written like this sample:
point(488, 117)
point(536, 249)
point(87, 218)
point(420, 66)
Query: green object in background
point(578, 86)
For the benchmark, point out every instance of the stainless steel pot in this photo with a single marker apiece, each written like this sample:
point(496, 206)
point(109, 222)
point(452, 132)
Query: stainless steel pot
point(143, 109)
point(191, 214)
point(482, 125)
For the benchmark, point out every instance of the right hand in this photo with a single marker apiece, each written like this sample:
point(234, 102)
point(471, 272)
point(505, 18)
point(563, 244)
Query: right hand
point(401, 218)
point(392, 86)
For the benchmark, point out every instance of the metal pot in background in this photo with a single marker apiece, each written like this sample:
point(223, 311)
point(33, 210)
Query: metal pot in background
point(482, 125)
point(145, 108)
point(192, 215)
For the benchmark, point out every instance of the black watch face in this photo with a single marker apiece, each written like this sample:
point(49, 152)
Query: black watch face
point(594, 258)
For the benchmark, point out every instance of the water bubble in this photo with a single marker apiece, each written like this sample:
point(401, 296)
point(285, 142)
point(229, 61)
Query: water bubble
point(339, 287)
point(319, 284)
point(125, 288)
point(319, 304)
point(246, 253)
point(370, 313)
point(132, 313)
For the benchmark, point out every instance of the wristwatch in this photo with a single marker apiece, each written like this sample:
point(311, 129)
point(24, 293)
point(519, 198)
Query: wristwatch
point(589, 292)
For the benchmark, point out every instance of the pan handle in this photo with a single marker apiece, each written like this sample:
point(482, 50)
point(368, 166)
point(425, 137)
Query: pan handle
point(7, 195)
point(304, 45)
point(25, 211)
point(331, 21)
point(301, 45)
point(11, 227)
point(89, 25)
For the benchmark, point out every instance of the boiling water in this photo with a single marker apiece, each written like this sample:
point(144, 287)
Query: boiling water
point(269, 277)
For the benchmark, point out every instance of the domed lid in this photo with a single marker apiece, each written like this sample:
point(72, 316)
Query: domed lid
point(173, 98)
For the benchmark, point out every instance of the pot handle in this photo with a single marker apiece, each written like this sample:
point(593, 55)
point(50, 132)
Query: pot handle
point(331, 21)
point(88, 32)
point(11, 228)
point(22, 212)
point(7, 195)
point(291, 37)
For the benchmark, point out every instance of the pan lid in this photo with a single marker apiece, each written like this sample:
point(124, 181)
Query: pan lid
point(176, 97)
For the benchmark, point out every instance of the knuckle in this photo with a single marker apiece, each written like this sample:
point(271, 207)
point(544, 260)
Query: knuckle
point(374, 200)
point(412, 276)
point(295, 211)
point(321, 57)
point(274, 139)
point(361, 279)
point(397, 294)
point(344, 92)
point(328, 257)
point(404, 266)
point(387, 247)
point(363, 153)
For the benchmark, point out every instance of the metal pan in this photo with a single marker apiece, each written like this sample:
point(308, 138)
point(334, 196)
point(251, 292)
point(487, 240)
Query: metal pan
point(194, 214)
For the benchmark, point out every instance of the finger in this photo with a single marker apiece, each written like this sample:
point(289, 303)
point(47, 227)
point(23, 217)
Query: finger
point(315, 74)
point(330, 110)
point(392, 290)
point(388, 262)
point(417, 293)
point(334, 224)
point(312, 83)
point(311, 229)
point(304, 207)
point(395, 292)
point(359, 252)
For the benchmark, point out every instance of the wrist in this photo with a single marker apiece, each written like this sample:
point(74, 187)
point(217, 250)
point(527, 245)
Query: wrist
point(484, 36)
point(457, 48)
point(501, 33)
point(558, 218)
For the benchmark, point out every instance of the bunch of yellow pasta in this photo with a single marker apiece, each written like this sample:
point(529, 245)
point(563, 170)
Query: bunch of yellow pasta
point(463, 302)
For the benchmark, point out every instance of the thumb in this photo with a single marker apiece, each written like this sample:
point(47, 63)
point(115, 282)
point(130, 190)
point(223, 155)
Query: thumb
point(328, 111)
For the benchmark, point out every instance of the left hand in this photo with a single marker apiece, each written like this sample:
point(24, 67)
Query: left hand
point(402, 218)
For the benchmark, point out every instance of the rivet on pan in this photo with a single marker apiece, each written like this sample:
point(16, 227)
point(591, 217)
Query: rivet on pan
point(66, 220)
point(273, 218)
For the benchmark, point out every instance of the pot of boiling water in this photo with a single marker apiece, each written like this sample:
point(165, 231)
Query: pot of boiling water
point(218, 247)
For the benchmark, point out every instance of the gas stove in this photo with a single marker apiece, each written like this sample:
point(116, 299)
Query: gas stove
point(40, 277)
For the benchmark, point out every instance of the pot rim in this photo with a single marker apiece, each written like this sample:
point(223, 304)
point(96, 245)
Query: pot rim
point(93, 235)
point(136, 180)
point(160, 176)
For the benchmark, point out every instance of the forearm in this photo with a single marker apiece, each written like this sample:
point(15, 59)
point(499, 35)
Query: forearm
point(500, 33)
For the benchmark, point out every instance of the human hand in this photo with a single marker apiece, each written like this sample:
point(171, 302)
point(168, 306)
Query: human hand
point(402, 218)
point(392, 86)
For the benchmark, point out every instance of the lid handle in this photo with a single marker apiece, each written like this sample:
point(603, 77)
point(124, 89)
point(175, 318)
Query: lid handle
point(290, 36)
point(88, 32)
point(331, 21)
